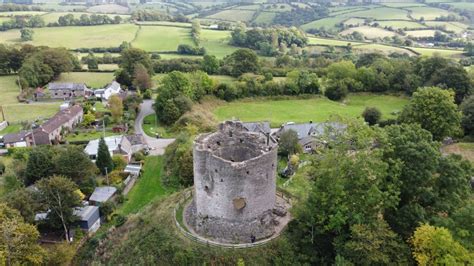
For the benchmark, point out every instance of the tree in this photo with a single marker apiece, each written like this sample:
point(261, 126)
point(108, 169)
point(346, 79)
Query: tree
point(467, 120)
point(88, 119)
point(72, 162)
point(288, 143)
point(116, 107)
point(336, 90)
point(141, 78)
point(18, 240)
point(242, 61)
point(26, 35)
point(92, 62)
point(371, 115)
point(178, 161)
point(130, 58)
point(39, 165)
point(119, 162)
point(210, 64)
point(22, 200)
point(436, 246)
point(59, 196)
point(434, 109)
point(104, 161)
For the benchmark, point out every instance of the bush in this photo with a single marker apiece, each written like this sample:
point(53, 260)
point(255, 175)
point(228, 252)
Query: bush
point(179, 162)
point(138, 156)
point(119, 219)
point(119, 162)
point(371, 115)
point(106, 209)
point(2, 168)
point(336, 90)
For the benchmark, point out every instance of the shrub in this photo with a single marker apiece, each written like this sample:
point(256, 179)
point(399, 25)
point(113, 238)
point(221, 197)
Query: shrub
point(371, 115)
point(336, 90)
point(119, 219)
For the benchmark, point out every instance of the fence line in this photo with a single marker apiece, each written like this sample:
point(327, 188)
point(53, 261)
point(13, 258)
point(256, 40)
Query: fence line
point(181, 203)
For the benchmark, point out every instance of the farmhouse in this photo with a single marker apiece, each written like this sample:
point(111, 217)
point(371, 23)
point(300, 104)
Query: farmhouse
point(51, 131)
point(109, 90)
point(309, 134)
point(118, 145)
point(68, 90)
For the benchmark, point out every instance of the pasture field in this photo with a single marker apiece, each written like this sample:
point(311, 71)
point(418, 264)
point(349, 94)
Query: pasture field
point(165, 23)
point(76, 36)
point(149, 186)
point(21, 13)
point(233, 15)
point(110, 8)
point(384, 49)
point(453, 26)
point(265, 17)
point(317, 109)
point(333, 42)
point(328, 23)
point(428, 13)
point(91, 79)
point(465, 149)
point(420, 33)
point(369, 32)
point(382, 13)
point(162, 38)
point(400, 24)
point(249, 7)
point(407, 4)
point(345, 10)
point(216, 42)
point(354, 21)
point(440, 52)
point(30, 112)
point(8, 90)
point(462, 5)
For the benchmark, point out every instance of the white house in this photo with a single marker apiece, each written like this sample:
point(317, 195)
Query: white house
point(109, 90)
point(118, 145)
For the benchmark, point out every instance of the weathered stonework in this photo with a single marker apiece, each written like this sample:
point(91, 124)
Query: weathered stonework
point(235, 185)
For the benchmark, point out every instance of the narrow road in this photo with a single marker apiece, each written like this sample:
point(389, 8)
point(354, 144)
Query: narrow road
point(157, 146)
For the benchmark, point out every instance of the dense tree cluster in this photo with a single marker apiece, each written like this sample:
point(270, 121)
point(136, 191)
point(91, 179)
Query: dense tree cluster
point(150, 15)
point(86, 20)
point(130, 59)
point(269, 41)
point(19, 22)
point(299, 16)
point(190, 49)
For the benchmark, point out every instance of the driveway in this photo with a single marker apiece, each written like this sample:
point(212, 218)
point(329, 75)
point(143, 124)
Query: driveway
point(157, 146)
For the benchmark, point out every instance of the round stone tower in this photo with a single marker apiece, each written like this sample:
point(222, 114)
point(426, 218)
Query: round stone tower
point(235, 184)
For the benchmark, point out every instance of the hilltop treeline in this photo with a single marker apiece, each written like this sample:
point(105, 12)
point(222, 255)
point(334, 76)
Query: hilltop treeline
point(268, 41)
point(150, 15)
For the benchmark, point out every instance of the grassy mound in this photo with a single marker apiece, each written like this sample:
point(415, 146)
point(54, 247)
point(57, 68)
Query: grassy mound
point(150, 237)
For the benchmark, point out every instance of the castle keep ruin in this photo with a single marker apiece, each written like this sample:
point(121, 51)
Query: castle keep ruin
point(235, 185)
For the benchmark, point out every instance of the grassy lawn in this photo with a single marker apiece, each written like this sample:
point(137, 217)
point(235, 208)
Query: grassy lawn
point(151, 130)
point(216, 42)
point(30, 112)
point(148, 187)
point(76, 37)
point(88, 136)
point(162, 38)
point(8, 90)
point(233, 15)
point(91, 79)
point(11, 129)
point(317, 109)
point(369, 32)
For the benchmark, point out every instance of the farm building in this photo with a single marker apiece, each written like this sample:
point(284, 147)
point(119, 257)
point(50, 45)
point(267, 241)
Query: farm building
point(309, 133)
point(109, 90)
point(68, 90)
point(89, 218)
point(65, 120)
point(118, 145)
point(20, 139)
point(102, 194)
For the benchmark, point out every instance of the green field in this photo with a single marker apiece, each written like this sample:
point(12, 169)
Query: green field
point(462, 5)
point(369, 32)
point(407, 4)
point(380, 48)
point(30, 112)
point(277, 7)
point(8, 90)
point(76, 37)
point(382, 13)
point(317, 109)
point(453, 26)
point(354, 21)
point(440, 52)
point(162, 38)
point(216, 42)
point(91, 79)
point(233, 15)
point(151, 127)
point(400, 24)
point(333, 42)
point(420, 33)
point(12, 128)
point(428, 13)
point(265, 17)
point(328, 23)
point(148, 187)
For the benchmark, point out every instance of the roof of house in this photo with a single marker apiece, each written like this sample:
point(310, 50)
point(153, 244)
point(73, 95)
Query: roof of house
point(311, 129)
point(86, 212)
point(114, 86)
point(114, 143)
point(262, 127)
point(66, 86)
point(136, 139)
point(16, 137)
point(102, 194)
point(60, 118)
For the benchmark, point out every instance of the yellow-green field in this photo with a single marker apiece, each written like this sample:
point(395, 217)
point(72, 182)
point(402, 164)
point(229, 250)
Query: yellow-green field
point(217, 42)
point(428, 13)
point(384, 49)
point(91, 79)
point(333, 42)
point(420, 33)
point(440, 52)
point(233, 15)
point(162, 38)
point(370, 32)
point(400, 24)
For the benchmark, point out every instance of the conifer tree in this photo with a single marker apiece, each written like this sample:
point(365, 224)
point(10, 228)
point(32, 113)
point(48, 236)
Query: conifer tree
point(103, 158)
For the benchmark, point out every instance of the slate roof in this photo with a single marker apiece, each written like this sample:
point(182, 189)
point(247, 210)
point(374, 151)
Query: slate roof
point(114, 86)
point(133, 169)
point(136, 139)
point(67, 86)
point(60, 119)
point(311, 129)
point(86, 212)
point(112, 143)
point(102, 194)
point(16, 137)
